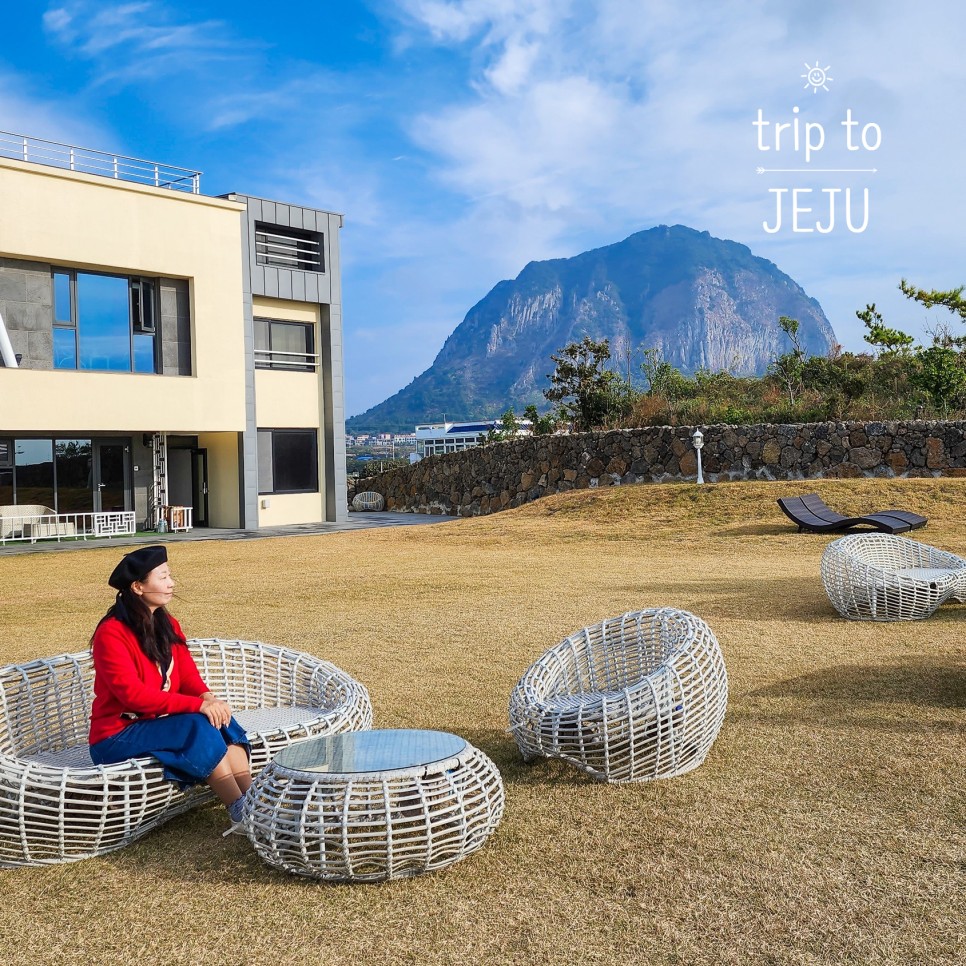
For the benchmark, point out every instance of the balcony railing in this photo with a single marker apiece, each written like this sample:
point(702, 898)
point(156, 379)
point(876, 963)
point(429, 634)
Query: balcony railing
point(277, 359)
point(92, 161)
point(31, 527)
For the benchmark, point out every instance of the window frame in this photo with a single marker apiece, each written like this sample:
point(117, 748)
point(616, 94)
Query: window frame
point(273, 435)
point(309, 359)
point(136, 327)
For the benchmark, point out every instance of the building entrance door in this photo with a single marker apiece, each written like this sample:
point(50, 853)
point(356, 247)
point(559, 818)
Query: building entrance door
point(110, 483)
point(199, 486)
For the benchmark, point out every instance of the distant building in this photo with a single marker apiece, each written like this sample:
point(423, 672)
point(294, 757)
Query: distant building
point(435, 438)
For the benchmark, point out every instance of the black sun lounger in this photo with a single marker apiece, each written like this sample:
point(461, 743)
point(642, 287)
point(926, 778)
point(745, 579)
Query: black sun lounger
point(810, 512)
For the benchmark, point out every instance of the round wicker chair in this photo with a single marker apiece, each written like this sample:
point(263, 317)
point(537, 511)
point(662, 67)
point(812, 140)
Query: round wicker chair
point(882, 577)
point(368, 500)
point(633, 698)
point(57, 806)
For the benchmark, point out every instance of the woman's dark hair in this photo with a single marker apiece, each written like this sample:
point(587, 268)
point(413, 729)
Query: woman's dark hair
point(154, 632)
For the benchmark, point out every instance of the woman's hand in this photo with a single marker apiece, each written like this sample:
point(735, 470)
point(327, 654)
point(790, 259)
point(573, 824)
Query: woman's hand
point(217, 712)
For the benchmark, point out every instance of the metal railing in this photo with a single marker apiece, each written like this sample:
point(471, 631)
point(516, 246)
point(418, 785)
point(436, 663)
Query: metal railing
point(103, 163)
point(298, 250)
point(31, 527)
point(303, 361)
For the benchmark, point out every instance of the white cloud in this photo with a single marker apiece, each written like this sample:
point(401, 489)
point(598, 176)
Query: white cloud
point(636, 113)
point(131, 41)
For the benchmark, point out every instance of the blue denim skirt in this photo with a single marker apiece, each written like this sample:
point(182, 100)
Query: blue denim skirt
point(187, 745)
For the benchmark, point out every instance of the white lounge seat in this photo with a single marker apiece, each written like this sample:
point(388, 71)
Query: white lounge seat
point(881, 577)
point(56, 805)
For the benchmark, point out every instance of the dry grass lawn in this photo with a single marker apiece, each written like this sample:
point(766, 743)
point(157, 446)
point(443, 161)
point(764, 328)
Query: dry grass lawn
point(826, 825)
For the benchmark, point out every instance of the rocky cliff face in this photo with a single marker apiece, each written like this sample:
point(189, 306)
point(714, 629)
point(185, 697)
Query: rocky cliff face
point(701, 301)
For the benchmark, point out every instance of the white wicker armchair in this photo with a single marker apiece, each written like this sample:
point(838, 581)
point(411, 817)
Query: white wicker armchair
point(633, 698)
point(368, 500)
point(881, 577)
point(57, 806)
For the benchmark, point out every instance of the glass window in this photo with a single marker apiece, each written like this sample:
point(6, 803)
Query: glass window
point(143, 352)
point(284, 345)
point(35, 471)
point(75, 489)
point(142, 304)
point(6, 487)
point(293, 463)
point(62, 312)
point(266, 481)
point(104, 322)
point(262, 342)
point(65, 348)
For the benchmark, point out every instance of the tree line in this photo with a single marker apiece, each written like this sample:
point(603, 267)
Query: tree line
point(894, 379)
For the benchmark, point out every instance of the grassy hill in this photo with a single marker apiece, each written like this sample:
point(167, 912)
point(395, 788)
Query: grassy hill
point(824, 827)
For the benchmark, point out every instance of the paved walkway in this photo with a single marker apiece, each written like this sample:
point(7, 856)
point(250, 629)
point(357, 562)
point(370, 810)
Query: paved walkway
point(356, 521)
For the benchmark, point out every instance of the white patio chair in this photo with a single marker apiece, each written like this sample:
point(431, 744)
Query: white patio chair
point(633, 698)
point(882, 577)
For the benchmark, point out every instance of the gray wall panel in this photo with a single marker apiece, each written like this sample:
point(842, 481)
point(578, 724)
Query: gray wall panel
point(315, 288)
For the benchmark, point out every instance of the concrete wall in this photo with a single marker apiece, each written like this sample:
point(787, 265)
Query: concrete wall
point(507, 474)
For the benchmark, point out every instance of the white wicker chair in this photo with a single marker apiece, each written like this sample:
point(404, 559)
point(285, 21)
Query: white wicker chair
point(633, 698)
point(881, 577)
point(368, 500)
point(57, 806)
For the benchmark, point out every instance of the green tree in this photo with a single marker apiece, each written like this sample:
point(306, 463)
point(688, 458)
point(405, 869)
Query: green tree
point(940, 375)
point(542, 425)
point(663, 379)
point(509, 427)
point(589, 395)
point(789, 366)
point(880, 336)
point(952, 299)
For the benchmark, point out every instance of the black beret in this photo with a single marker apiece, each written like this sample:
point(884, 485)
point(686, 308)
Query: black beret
point(137, 565)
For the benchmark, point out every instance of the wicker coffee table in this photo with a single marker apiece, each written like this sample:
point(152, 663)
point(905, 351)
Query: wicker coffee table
point(373, 805)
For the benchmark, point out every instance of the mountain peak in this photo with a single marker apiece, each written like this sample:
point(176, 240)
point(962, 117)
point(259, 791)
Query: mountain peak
point(703, 302)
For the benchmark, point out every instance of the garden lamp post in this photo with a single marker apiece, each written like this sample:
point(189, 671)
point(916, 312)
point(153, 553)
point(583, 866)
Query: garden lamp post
point(698, 440)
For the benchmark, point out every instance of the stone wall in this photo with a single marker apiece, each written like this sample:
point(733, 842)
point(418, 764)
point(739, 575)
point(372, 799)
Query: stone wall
point(506, 474)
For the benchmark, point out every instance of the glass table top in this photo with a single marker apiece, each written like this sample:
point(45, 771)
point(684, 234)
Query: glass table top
point(370, 751)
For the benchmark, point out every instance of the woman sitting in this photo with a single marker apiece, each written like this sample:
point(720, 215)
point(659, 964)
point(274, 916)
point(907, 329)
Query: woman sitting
point(149, 698)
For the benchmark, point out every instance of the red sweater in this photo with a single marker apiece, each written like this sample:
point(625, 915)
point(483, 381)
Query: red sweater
point(126, 680)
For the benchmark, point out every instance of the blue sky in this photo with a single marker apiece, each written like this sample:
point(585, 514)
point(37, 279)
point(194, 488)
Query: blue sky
point(465, 138)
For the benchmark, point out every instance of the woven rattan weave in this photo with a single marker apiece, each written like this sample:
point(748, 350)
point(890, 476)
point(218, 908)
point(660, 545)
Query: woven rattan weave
point(57, 806)
point(633, 698)
point(880, 577)
point(368, 500)
point(365, 822)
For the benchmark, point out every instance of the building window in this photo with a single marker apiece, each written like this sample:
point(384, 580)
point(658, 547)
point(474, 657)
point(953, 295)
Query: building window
point(104, 322)
point(288, 461)
point(56, 473)
point(288, 248)
point(6, 472)
point(35, 472)
point(285, 345)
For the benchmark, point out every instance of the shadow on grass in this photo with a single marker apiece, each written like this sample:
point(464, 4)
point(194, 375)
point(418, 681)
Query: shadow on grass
point(502, 750)
point(925, 681)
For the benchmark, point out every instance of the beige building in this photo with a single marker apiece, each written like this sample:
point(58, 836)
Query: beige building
point(160, 347)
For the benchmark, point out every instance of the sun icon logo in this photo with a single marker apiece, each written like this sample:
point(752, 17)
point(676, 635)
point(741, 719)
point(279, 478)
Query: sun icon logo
point(817, 77)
